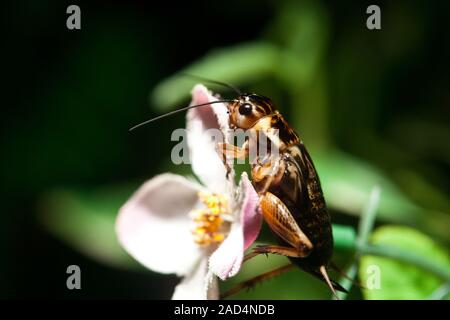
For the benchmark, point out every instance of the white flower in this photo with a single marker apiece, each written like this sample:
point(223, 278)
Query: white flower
point(197, 231)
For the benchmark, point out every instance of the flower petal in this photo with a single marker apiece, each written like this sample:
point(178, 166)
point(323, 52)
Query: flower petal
point(154, 226)
point(205, 161)
point(226, 261)
point(251, 215)
point(198, 285)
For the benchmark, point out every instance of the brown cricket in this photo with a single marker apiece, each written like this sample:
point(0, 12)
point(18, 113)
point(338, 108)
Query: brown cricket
point(291, 197)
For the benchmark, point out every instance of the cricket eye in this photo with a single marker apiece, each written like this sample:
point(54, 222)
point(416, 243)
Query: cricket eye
point(245, 109)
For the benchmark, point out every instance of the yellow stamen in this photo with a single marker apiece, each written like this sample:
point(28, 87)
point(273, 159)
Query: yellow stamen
point(208, 221)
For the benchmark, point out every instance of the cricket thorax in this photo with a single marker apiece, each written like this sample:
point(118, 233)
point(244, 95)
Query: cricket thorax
point(277, 130)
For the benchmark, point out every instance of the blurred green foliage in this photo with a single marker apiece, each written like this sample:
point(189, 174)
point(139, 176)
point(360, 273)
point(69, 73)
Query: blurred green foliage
point(84, 220)
point(371, 106)
point(400, 280)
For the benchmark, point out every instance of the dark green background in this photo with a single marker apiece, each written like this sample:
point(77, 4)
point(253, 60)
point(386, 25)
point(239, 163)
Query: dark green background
point(70, 96)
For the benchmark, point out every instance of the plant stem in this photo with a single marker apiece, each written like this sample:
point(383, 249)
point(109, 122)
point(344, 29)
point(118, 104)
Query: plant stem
point(441, 293)
point(368, 217)
point(365, 227)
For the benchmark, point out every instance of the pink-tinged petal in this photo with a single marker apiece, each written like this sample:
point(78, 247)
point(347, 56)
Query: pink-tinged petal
point(204, 130)
point(154, 225)
point(198, 285)
point(226, 261)
point(250, 212)
point(200, 94)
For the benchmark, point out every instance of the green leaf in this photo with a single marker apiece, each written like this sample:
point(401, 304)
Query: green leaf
point(399, 280)
point(237, 65)
point(344, 237)
point(85, 220)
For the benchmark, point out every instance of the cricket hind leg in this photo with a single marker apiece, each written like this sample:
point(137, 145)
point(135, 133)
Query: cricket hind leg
point(255, 280)
point(282, 223)
point(274, 249)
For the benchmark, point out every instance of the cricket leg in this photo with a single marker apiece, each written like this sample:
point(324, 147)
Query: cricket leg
point(281, 221)
point(226, 151)
point(274, 249)
point(268, 171)
point(253, 281)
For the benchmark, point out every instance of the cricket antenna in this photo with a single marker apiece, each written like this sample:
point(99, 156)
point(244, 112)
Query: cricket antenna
point(176, 111)
point(223, 84)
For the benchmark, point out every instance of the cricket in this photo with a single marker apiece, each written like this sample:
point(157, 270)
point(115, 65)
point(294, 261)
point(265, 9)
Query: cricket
point(290, 195)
